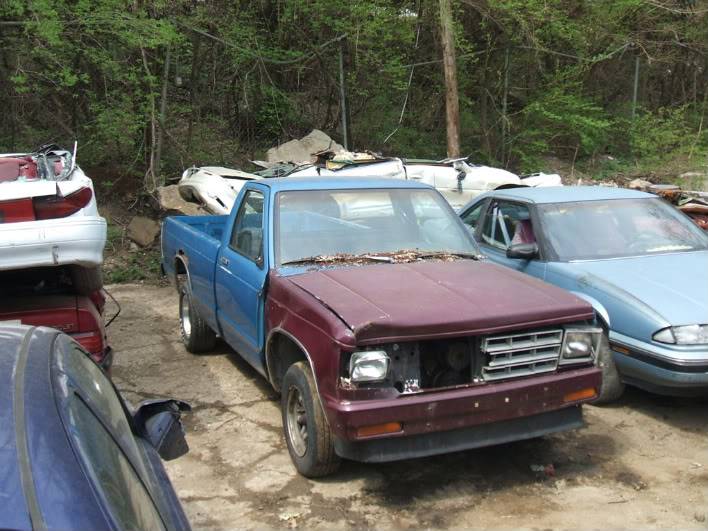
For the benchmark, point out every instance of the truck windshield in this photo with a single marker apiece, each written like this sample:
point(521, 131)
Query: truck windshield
point(595, 230)
point(337, 225)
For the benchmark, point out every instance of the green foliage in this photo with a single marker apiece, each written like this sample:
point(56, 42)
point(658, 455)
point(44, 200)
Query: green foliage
point(252, 74)
point(561, 120)
point(135, 267)
point(664, 132)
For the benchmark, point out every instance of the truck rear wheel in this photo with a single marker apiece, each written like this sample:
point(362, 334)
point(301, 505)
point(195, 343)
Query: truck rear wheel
point(307, 433)
point(197, 336)
point(612, 386)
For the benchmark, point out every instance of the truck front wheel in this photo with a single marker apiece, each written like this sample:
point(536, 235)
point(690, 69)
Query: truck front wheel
point(612, 385)
point(307, 433)
point(196, 334)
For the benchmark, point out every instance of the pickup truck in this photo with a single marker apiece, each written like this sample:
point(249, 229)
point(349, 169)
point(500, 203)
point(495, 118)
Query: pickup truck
point(369, 308)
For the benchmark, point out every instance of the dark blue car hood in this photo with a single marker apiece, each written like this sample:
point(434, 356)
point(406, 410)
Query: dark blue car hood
point(674, 286)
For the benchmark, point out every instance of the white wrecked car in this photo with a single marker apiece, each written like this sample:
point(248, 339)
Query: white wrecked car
point(48, 216)
point(457, 180)
point(213, 187)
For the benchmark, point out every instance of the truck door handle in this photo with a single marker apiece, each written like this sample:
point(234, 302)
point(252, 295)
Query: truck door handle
point(224, 261)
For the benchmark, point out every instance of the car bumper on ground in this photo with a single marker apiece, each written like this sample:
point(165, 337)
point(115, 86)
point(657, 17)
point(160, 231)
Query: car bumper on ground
point(659, 369)
point(73, 240)
point(458, 419)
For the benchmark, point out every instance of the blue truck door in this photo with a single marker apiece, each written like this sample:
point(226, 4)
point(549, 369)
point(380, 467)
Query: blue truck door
point(507, 223)
point(240, 276)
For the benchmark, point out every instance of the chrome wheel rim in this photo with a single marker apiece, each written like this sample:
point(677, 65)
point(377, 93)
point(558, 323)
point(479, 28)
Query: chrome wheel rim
point(296, 416)
point(184, 317)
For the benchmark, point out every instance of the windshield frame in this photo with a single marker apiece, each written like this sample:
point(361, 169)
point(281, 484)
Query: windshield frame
point(554, 255)
point(439, 199)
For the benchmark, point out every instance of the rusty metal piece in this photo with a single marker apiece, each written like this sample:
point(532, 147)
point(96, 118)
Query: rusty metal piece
point(670, 192)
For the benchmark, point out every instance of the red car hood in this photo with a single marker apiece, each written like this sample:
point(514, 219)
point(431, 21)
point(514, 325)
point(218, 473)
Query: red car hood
point(436, 299)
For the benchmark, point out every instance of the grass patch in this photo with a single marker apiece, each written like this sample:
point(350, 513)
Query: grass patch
point(133, 266)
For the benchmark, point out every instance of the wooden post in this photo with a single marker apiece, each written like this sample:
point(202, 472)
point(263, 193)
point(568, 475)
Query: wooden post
point(452, 101)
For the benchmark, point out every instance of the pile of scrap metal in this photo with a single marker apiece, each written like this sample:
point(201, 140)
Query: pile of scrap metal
point(697, 209)
point(458, 180)
point(692, 203)
point(213, 187)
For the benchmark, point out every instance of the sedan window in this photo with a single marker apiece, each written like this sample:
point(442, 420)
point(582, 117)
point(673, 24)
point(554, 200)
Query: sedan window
point(114, 480)
point(79, 373)
point(508, 224)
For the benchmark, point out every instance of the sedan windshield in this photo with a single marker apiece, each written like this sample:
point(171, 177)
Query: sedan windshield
point(618, 228)
point(331, 226)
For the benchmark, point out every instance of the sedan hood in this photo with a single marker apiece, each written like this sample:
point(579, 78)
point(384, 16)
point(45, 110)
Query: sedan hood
point(437, 299)
point(675, 286)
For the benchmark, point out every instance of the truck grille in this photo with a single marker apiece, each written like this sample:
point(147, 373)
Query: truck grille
point(516, 355)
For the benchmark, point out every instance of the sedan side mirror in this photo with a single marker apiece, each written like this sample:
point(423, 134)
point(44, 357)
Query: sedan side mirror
point(158, 421)
point(524, 251)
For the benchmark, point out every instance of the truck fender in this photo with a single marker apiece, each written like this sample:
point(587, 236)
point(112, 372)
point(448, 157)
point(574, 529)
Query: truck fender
point(597, 306)
point(271, 371)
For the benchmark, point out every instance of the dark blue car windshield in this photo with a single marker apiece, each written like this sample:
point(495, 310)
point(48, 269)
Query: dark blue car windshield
point(595, 230)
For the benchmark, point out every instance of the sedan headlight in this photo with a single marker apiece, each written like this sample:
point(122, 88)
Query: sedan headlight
point(368, 366)
point(683, 335)
point(580, 345)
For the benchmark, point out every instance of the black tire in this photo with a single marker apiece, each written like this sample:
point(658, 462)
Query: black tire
point(86, 280)
point(196, 334)
point(612, 385)
point(318, 458)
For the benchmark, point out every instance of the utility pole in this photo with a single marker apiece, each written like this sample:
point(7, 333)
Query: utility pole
point(343, 96)
point(452, 101)
point(636, 86)
point(505, 116)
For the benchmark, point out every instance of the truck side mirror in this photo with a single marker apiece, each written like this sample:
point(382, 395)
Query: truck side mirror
point(523, 251)
point(158, 421)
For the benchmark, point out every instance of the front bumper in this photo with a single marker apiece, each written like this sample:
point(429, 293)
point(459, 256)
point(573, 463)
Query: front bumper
point(661, 369)
point(427, 444)
point(485, 407)
point(73, 240)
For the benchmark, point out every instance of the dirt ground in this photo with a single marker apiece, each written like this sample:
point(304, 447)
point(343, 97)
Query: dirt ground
point(642, 463)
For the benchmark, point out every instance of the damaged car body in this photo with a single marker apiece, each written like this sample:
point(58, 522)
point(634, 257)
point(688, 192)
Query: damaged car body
point(382, 348)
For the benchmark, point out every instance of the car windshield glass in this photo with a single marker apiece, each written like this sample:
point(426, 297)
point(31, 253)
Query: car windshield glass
point(594, 230)
point(370, 224)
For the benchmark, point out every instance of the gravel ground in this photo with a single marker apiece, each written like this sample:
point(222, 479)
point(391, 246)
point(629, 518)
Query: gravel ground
point(641, 463)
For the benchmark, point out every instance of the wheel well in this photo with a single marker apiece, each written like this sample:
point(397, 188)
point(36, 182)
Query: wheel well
point(281, 353)
point(181, 274)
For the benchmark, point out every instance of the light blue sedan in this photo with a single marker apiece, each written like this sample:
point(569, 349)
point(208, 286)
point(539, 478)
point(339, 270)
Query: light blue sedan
point(641, 263)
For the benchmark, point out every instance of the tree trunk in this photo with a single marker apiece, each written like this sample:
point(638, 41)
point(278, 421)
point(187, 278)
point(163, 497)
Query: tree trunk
point(452, 102)
point(163, 114)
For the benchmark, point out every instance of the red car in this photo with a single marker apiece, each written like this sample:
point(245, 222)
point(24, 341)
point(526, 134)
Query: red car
point(44, 297)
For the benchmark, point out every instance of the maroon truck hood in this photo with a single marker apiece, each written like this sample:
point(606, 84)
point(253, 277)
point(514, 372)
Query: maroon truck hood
point(437, 299)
